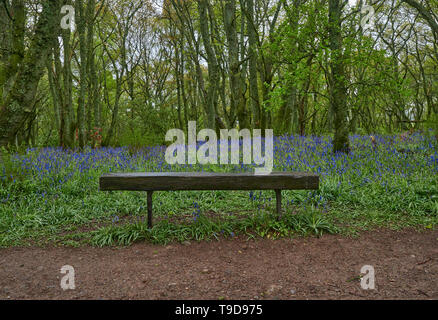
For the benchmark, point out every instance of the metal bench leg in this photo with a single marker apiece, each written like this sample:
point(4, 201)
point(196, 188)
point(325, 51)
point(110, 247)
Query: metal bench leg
point(278, 196)
point(150, 209)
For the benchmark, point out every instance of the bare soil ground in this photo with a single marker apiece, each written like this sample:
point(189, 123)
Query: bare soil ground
point(405, 262)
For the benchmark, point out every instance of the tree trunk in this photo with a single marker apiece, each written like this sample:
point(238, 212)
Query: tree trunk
point(67, 114)
point(17, 105)
point(213, 74)
point(237, 100)
point(15, 52)
point(338, 88)
point(80, 18)
point(93, 87)
point(252, 53)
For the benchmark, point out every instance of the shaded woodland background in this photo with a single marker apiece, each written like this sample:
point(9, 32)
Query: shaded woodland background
point(131, 70)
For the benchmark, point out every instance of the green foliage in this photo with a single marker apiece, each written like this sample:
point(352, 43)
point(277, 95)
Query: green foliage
point(137, 139)
point(9, 171)
point(432, 125)
point(312, 222)
point(264, 225)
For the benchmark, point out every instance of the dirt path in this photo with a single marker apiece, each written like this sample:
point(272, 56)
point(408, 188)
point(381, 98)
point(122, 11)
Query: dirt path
point(405, 262)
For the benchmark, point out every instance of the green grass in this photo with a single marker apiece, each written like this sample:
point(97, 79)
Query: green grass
point(50, 196)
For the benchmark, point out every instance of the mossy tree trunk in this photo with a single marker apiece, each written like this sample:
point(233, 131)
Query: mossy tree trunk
point(338, 86)
point(253, 76)
point(67, 112)
point(233, 56)
point(81, 24)
point(93, 85)
point(17, 104)
point(14, 51)
point(213, 68)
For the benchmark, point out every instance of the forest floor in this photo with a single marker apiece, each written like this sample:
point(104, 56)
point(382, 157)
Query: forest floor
point(405, 262)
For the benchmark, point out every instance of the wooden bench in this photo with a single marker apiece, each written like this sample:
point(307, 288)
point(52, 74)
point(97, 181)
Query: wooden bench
point(177, 181)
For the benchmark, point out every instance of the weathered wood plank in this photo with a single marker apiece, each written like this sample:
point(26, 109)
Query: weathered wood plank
point(168, 181)
point(149, 209)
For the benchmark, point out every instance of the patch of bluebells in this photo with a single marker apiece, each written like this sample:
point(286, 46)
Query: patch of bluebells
point(115, 219)
point(196, 213)
point(55, 170)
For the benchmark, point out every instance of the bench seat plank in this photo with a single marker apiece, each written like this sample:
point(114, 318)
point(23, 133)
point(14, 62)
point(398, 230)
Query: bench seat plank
point(177, 181)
